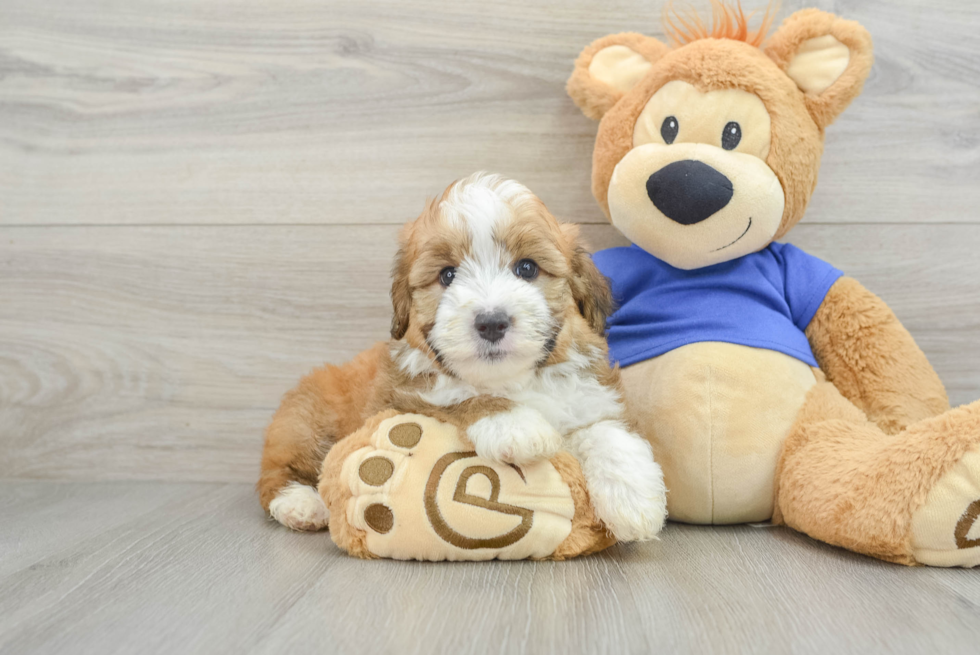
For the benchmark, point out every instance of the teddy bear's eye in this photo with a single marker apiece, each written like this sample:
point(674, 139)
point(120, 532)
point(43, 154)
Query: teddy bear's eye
point(731, 135)
point(668, 130)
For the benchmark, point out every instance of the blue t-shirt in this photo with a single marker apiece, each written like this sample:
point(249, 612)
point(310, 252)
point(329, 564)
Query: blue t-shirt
point(764, 300)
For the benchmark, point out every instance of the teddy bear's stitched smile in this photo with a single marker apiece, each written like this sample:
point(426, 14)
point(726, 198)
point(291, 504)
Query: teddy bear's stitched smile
point(747, 228)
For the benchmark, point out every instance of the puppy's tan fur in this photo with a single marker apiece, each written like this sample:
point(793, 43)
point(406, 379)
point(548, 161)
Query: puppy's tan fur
point(334, 401)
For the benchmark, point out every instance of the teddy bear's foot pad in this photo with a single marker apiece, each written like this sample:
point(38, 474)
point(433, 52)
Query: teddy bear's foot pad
point(946, 529)
point(419, 491)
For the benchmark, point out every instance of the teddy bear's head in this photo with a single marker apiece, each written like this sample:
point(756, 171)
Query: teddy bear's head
point(709, 150)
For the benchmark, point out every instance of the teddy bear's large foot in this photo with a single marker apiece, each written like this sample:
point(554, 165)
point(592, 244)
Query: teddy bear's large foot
point(409, 487)
point(946, 529)
point(911, 498)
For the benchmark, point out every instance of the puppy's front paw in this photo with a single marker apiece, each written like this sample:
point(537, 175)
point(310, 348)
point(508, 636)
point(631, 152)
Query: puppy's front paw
point(630, 517)
point(633, 504)
point(518, 436)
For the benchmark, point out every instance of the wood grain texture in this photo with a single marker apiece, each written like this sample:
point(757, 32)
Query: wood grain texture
point(161, 352)
point(195, 568)
point(352, 111)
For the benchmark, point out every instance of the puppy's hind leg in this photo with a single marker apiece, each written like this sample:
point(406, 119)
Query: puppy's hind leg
point(326, 405)
point(299, 507)
point(296, 442)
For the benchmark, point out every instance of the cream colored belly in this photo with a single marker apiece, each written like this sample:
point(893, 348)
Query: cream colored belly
point(717, 414)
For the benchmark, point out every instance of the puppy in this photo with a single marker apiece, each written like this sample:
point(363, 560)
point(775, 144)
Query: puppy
point(498, 327)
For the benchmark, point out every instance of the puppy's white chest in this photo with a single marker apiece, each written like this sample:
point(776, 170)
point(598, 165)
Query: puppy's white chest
point(569, 401)
point(566, 394)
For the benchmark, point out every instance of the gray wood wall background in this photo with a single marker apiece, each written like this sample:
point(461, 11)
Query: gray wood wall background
point(199, 199)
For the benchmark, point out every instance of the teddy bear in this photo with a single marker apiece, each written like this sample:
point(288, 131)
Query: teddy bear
point(771, 385)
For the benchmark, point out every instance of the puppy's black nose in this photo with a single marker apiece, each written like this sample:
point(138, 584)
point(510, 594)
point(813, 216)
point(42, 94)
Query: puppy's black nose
point(689, 191)
point(492, 325)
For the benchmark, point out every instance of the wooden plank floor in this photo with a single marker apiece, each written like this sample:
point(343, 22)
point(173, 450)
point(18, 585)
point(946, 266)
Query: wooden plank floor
point(199, 201)
point(193, 568)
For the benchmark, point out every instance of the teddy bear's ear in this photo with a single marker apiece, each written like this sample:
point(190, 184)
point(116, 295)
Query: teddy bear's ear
point(827, 57)
point(608, 68)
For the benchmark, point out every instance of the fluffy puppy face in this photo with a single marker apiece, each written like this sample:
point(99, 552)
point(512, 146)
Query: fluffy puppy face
point(486, 282)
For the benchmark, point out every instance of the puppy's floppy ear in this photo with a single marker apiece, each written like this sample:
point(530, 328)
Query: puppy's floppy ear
point(401, 290)
point(608, 68)
point(590, 289)
point(827, 57)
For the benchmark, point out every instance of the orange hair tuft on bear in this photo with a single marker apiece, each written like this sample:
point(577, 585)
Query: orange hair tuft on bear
point(727, 22)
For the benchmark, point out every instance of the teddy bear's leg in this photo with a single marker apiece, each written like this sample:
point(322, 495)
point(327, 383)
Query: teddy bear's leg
point(408, 486)
point(910, 498)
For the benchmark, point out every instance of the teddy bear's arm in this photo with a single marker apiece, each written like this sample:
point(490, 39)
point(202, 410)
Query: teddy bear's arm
point(872, 359)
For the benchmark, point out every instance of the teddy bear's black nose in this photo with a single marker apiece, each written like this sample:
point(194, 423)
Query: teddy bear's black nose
point(689, 191)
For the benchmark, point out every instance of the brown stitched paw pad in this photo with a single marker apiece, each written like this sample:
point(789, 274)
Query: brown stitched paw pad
point(945, 530)
point(415, 489)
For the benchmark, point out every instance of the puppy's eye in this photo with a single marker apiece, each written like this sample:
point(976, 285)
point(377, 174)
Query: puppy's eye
point(447, 275)
point(668, 130)
point(731, 135)
point(526, 269)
